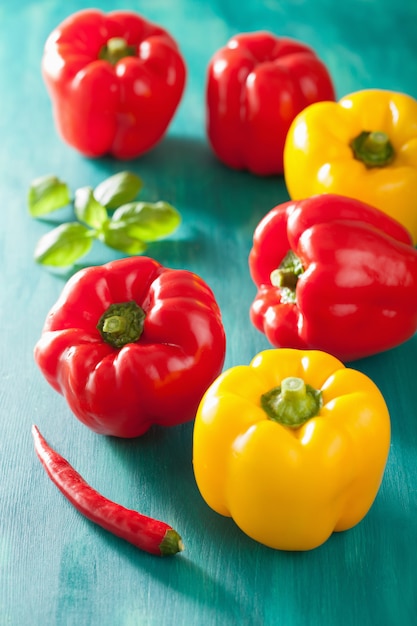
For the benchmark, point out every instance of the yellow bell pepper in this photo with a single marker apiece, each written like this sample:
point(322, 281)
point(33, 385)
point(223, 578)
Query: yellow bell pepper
point(363, 147)
point(292, 446)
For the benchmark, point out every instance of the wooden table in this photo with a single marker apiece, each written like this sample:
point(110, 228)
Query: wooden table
point(58, 569)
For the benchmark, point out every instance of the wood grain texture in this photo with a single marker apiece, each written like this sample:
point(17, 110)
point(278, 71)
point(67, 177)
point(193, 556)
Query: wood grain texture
point(56, 568)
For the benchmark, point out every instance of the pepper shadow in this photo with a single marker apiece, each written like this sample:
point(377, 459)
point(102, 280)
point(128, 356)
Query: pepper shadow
point(185, 169)
point(181, 575)
point(216, 203)
point(160, 464)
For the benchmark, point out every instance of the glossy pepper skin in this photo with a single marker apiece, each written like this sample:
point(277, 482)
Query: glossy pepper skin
point(132, 343)
point(364, 147)
point(115, 81)
point(292, 446)
point(333, 274)
point(256, 85)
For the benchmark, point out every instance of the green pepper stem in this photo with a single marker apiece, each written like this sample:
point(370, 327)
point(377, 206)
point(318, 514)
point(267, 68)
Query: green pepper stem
point(115, 49)
point(121, 323)
point(292, 403)
point(373, 148)
point(286, 276)
point(293, 387)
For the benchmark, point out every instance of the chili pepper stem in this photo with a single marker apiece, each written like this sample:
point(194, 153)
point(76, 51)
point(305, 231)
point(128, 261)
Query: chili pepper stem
point(292, 403)
point(171, 543)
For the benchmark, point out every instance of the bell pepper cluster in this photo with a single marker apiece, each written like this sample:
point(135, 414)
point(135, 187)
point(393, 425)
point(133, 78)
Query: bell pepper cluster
point(335, 267)
point(116, 80)
point(294, 445)
point(336, 274)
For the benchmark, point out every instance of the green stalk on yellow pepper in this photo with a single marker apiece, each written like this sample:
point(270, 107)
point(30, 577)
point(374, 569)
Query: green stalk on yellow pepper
point(292, 446)
point(363, 147)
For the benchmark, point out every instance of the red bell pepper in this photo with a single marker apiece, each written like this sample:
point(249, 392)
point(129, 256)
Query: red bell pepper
point(256, 85)
point(333, 274)
point(132, 343)
point(115, 81)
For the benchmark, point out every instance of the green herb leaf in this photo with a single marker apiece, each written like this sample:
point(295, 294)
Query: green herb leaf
point(132, 225)
point(47, 194)
point(148, 221)
point(116, 235)
point(64, 245)
point(87, 209)
point(118, 189)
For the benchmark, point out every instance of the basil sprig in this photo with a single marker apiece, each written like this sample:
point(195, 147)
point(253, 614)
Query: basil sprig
point(108, 213)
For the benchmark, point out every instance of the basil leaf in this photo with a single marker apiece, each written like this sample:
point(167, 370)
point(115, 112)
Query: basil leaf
point(47, 194)
point(117, 236)
point(118, 189)
point(148, 221)
point(87, 209)
point(64, 245)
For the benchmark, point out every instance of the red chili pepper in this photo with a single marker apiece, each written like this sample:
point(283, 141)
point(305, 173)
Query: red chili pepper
point(131, 343)
point(115, 82)
point(333, 274)
point(256, 85)
point(142, 531)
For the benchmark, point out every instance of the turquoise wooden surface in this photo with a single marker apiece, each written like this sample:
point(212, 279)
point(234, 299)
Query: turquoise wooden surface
point(55, 567)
